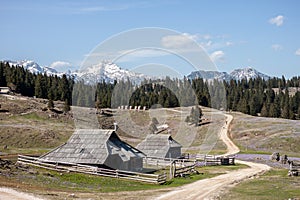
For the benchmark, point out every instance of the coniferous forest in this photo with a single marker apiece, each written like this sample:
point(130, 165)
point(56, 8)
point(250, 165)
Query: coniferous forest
point(23, 82)
point(276, 97)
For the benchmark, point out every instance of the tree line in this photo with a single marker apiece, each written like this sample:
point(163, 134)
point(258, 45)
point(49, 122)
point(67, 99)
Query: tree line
point(23, 82)
point(268, 98)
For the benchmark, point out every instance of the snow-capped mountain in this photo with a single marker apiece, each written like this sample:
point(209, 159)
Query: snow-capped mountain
point(237, 74)
point(108, 72)
point(33, 67)
point(104, 71)
point(247, 73)
point(209, 75)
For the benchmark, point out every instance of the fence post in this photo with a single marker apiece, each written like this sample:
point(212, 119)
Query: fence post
point(171, 170)
point(117, 175)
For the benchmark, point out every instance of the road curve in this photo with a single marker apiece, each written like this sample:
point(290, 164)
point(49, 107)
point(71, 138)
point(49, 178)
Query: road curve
point(209, 188)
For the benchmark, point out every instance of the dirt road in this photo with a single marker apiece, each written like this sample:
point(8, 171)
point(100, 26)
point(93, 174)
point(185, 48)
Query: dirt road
point(231, 147)
point(10, 194)
point(209, 188)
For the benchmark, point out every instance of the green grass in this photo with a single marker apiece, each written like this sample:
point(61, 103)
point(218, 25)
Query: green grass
point(51, 180)
point(274, 184)
point(33, 116)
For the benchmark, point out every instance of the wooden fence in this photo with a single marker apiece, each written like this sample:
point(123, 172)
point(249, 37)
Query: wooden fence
point(71, 167)
point(294, 169)
point(159, 162)
point(210, 160)
point(182, 171)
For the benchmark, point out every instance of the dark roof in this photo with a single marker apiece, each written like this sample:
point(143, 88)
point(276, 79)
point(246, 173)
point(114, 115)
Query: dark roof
point(157, 145)
point(91, 146)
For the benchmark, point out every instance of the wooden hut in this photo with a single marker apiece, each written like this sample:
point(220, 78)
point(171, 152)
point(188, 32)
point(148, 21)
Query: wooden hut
point(97, 147)
point(160, 145)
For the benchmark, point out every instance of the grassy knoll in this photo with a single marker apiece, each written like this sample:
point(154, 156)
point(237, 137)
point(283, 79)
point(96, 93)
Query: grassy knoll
point(274, 184)
point(260, 134)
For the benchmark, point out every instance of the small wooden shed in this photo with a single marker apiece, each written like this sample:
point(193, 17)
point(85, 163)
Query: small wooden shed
point(97, 147)
point(160, 145)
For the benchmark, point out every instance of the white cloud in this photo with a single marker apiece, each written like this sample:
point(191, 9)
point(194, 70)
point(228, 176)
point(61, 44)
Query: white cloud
point(206, 44)
point(278, 20)
point(297, 52)
point(276, 47)
point(229, 44)
point(205, 36)
point(102, 8)
point(60, 65)
point(134, 54)
point(217, 56)
point(178, 41)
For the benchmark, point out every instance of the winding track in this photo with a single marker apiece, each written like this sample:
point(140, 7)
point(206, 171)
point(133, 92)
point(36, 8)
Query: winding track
point(209, 188)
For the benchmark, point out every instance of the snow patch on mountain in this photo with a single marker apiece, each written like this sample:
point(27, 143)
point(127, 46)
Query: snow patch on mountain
point(209, 75)
point(108, 72)
point(33, 67)
point(104, 71)
point(247, 73)
point(237, 74)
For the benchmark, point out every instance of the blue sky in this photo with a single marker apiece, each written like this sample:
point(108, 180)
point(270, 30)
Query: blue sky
point(59, 33)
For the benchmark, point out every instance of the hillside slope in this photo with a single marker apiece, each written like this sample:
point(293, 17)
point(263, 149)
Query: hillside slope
point(266, 134)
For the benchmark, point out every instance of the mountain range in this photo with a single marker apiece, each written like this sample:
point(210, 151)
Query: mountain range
point(237, 74)
point(108, 72)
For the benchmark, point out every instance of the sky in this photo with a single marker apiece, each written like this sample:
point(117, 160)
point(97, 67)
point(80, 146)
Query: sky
point(233, 33)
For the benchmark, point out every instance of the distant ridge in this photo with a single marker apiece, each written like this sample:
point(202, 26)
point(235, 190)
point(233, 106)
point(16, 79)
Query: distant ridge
point(237, 74)
point(109, 72)
point(104, 71)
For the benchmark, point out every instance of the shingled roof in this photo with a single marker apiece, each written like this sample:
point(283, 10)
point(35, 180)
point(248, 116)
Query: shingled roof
point(159, 145)
point(93, 147)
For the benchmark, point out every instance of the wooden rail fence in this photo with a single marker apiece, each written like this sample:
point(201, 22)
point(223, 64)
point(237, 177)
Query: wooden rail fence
point(71, 167)
point(210, 160)
point(163, 162)
point(294, 169)
point(182, 171)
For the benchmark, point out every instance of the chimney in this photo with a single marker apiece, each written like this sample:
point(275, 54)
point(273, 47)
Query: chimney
point(115, 126)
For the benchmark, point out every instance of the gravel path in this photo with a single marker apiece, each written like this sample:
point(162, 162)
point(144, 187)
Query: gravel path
point(209, 188)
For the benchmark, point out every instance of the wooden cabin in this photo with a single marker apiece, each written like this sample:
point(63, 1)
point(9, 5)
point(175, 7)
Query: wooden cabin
point(97, 147)
point(160, 145)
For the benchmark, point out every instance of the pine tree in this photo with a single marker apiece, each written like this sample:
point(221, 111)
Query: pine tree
point(264, 111)
point(50, 104)
point(286, 111)
point(40, 87)
point(2, 76)
point(67, 107)
point(195, 116)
